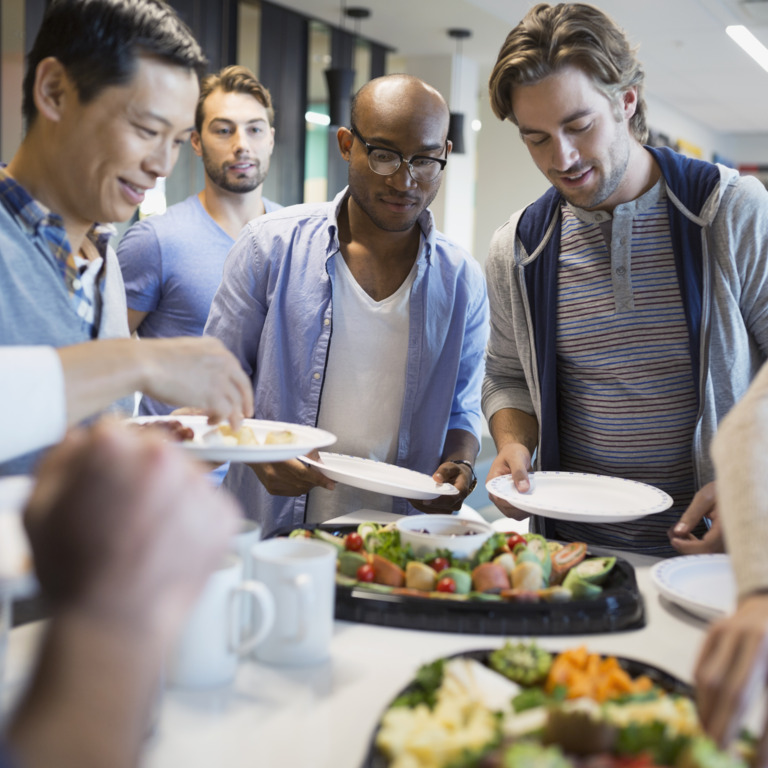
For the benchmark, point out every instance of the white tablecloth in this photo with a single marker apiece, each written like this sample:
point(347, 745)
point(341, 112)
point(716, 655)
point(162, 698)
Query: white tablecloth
point(324, 716)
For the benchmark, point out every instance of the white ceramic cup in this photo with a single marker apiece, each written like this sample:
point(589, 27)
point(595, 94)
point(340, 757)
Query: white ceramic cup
point(242, 543)
point(218, 632)
point(300, 574)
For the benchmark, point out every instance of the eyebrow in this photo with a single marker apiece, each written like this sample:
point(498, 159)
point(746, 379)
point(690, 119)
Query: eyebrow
point(233, 122)
point(376, 141)
point(568, 119)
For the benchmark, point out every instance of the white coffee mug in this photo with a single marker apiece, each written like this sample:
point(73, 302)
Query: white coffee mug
point(300, 574)
point(217, 632)
point(242, 543)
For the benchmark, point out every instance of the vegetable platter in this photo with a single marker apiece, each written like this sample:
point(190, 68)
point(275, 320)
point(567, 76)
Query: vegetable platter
point(513, 585)
point(519, 706)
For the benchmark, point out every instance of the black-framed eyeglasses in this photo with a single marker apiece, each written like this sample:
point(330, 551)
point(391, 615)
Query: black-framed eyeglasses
point(386, 161)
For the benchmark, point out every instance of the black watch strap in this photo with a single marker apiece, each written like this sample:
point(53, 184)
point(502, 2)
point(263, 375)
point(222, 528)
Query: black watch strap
point(473, 481)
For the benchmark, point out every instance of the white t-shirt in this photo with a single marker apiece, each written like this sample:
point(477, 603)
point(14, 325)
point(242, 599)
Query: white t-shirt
point(362, 397)
point(33, 408)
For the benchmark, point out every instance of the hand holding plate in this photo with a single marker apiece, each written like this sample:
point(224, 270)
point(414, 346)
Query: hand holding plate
point(292, 477)
point(458, 475)
point(513, 459)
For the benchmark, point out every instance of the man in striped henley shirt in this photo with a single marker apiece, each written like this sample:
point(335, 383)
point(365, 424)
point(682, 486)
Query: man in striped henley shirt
point(629, 303)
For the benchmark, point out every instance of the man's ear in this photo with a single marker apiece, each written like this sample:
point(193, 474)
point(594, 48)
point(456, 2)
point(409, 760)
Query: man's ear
point(345, 138)
point(194, 140)
point(629, 103)
point(450, 147)
point(52, 88)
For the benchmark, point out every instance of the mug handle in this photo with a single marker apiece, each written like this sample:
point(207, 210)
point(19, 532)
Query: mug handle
point(259, 595)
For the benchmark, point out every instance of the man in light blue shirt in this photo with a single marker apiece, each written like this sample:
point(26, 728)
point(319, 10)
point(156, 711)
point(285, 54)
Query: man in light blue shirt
point(357, 316)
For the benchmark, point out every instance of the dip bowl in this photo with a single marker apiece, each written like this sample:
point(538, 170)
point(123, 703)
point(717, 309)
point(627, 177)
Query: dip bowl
point(428, 533)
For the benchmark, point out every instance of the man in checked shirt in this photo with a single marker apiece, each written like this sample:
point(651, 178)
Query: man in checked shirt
point(109, 97)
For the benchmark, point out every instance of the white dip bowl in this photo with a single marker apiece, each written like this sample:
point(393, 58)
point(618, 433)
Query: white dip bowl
point(461, 537)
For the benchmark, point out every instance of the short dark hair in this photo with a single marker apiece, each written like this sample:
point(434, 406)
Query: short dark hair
point(233, 79)
point(98, 43)
point(552, 37)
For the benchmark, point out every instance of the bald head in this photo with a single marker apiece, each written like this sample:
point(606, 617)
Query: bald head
point(401, 101)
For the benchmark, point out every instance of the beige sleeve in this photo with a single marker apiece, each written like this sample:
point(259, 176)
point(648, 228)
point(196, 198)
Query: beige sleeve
point(740, 454)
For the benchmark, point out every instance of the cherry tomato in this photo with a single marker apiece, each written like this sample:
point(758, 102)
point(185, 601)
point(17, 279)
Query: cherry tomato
point(446, 584)
point(365, 572)
point(439, 564)
point(514, 539)
point(353, 541)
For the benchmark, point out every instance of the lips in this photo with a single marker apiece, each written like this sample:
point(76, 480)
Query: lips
point(133, 192)
point(241, 167)
point(575, 178)
point(399, 203)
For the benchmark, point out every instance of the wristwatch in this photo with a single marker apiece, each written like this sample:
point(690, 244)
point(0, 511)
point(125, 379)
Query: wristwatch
point(473, 481)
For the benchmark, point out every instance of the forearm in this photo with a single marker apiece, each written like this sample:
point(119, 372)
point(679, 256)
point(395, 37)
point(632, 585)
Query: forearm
point(739, 451)
point(90, 695)
point(510, 425)
point(460, 444)
point(98, 373)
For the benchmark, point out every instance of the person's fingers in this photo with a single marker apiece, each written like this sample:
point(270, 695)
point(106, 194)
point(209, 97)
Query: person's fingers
point(701, 505)
point(689, 545)
point(507, 509)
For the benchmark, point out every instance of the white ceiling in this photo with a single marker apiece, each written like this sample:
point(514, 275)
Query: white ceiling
point(690, 63)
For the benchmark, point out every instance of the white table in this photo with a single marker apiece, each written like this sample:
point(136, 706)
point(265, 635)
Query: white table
point(324, 716)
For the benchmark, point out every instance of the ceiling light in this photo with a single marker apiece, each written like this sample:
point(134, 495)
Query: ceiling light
point(316, 118)
point(741, 35)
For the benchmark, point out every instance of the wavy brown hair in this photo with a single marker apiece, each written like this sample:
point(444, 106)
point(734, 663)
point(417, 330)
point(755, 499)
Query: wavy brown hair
point(552, 37)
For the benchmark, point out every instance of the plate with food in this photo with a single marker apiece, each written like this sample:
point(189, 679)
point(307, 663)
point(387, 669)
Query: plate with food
point(380, 477)
point(256, 440)
point(581, 497)
point(418, 573)
point(520, 705)
point(700, 584)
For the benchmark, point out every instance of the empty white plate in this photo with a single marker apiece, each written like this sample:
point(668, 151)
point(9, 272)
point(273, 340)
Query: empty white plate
point(379, 477)
point(582, 498)
point(701, 584)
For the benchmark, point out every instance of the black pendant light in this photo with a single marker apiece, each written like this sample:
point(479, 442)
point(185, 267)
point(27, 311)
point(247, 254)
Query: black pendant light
point(341, 79)
point(456, 124)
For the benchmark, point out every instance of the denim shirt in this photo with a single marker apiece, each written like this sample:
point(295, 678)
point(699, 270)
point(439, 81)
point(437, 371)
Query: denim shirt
point(274, 311)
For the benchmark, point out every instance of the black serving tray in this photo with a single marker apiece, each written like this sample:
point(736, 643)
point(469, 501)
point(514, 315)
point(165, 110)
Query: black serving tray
point(619, 607)
point(671, 684)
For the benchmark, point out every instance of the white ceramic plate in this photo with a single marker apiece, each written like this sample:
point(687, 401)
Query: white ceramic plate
point(380, 477)
point(307, 439)
point(578, 497)
point(701, 584)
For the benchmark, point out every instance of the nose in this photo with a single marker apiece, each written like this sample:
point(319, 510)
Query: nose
point(401, 179)
point(161, 161)
point(564, 153)
point(240, 139)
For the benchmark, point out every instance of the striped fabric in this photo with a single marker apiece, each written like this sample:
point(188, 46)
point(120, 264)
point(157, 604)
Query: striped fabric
point(33, 216)
point(627, 403)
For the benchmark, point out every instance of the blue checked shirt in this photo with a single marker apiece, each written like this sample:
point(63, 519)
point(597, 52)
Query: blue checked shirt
point(32, 216)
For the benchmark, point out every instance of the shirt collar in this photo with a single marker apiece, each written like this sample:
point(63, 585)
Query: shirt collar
point(32, 214)
point(426, 222)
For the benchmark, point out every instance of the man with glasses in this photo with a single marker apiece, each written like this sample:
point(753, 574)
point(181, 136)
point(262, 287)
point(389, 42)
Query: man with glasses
point(357, 316)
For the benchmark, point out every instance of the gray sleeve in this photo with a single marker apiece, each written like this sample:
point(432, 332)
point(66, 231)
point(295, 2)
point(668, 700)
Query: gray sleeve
point(509, 350)
point(740, 240)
